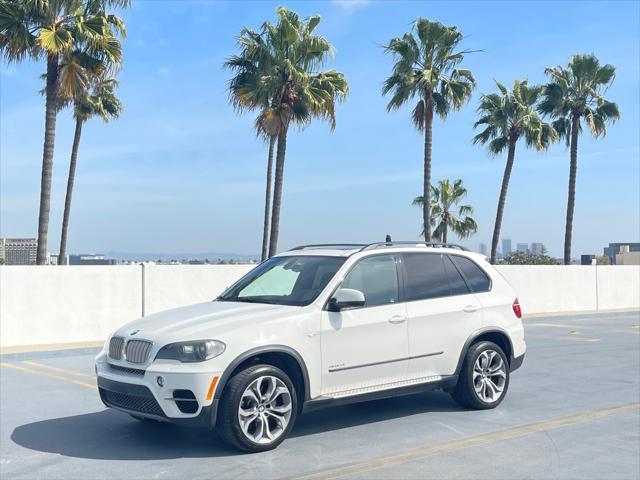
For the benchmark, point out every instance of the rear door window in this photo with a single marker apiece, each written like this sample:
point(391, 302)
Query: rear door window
point(477, 279)
point(425, 276)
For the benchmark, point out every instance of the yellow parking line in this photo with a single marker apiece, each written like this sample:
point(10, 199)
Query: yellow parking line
point(47, 375)
point(58, 369)
point(425, 451)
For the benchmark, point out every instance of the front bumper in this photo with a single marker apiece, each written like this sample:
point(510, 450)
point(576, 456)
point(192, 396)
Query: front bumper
point(139, 393)
point(139, 401)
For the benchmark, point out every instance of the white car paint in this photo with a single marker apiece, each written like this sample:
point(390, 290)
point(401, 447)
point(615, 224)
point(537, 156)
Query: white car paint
point(393, 345)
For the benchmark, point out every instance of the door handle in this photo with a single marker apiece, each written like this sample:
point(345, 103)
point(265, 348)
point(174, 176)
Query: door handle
point(470, 308)
point(396, 319)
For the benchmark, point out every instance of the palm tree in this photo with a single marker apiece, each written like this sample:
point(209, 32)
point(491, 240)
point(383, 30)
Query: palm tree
point(102, 102)
point(507, 117)
point(425, 67)
point(576, 93)
point(446, 211)
point(244, 94)
point(272, 135)
point(50, 30)
point(277, 72)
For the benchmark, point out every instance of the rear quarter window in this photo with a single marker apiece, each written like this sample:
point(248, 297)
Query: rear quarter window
point(456, 282)
point(475, 276)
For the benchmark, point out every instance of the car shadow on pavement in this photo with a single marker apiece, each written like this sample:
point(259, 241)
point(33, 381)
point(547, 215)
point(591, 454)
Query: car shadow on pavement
point(355, 414)
point(111, 435)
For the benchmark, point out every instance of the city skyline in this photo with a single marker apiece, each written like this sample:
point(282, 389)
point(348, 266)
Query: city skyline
point(180, 171)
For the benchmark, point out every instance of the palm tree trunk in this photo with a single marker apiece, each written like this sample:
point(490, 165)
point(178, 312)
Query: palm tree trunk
point(277, 192)
point(47, 157)
point(573, 168)
point(62, 256)
point(426, 187)
point(502, 200)
point(444, 233)
point(267, 202)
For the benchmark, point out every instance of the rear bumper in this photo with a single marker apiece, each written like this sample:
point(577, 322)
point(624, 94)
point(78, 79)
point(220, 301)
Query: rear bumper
point(138, 400)
point(516, 363)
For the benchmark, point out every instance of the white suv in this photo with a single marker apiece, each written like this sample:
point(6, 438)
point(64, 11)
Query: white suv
point(315, 326)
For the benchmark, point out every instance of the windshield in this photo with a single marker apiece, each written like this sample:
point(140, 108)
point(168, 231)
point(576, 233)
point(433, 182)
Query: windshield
point(285, 281)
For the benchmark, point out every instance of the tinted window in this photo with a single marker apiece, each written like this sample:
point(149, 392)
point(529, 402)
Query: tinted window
point(456, 282)
point(376, 277)
point(477, 279)
point(426, 277)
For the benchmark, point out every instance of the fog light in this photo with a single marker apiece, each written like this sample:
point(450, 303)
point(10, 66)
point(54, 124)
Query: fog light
point(160, 381)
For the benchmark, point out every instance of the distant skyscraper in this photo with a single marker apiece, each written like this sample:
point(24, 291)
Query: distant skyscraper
point(91, 259)
point(614, 248)
point(482, 248)
point(537, 248)
point(522, 247)
point(506, 246)
point(18, 251)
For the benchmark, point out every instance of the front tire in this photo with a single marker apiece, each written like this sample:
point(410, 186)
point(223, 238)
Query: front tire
point(484, 377)
point(258, 409)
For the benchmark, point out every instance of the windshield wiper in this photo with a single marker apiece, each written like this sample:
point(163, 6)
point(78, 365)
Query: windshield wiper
point(252, 300)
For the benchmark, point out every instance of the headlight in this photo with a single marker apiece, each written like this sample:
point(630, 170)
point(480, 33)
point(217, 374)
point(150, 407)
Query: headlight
point(196, 351)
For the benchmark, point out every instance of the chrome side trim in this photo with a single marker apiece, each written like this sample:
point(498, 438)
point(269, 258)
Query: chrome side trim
point(384, 386)
point(372, 364)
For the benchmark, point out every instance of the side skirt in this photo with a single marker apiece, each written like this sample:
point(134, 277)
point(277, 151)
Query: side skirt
point(446, 383)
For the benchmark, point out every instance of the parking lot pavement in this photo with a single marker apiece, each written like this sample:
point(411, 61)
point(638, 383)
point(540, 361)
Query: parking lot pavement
point(572, 411)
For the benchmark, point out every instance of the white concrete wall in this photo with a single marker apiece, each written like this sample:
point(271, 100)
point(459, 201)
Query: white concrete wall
point(51, 304)
point(618, 286)
point(553, 288)
point(168, 286)
point(46, 305)
point(574, 288)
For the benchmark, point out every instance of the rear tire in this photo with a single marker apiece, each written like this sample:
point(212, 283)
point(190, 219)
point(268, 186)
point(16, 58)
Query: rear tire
point(258, 409)
point(484, 377)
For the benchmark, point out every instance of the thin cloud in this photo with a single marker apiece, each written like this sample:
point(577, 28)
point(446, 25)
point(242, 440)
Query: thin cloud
point(6, 71)
point(350, 5)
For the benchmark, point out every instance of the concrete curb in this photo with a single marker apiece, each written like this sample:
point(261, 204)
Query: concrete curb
point(581, 312)
point(49, 348)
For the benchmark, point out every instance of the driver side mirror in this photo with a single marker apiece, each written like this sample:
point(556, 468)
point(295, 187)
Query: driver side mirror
point(345, 298)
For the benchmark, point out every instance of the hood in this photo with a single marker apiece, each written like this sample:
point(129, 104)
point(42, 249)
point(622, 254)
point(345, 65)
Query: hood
point(203, 320)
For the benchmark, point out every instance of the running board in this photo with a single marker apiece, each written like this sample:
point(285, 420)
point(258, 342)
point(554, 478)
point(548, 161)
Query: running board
point(384, 386)
point(395, 389)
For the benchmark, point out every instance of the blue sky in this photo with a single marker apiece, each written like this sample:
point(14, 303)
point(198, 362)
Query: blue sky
point(182, 172)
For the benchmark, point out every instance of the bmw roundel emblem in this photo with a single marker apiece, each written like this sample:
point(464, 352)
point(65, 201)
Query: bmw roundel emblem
point(134, 332)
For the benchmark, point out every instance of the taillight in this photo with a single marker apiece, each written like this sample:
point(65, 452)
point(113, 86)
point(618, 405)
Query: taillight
point(516, 308)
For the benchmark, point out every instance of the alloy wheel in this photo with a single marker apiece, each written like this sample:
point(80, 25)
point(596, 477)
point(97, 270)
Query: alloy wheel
point(265, 409)
point(489, 376)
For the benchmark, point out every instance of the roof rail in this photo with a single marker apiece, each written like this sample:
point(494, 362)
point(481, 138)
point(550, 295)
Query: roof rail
point(345, 246)
point(371, 246)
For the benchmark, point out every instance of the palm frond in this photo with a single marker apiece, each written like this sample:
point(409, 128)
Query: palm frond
point(446, 210)
point(576, 92)
point(277, 71)
point(425, 66)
